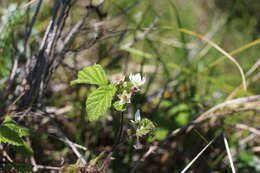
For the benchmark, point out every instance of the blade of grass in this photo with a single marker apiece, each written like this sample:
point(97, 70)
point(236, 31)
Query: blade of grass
point(138, 52)
point(220, 50)
point(235, 52)
point(249, 72)
point(147, 55)
point(185, 50)
point(215, 46)
point(199, 154)
point(29, 3)
point(242, 100)
point(229, 154)
point(226, 87)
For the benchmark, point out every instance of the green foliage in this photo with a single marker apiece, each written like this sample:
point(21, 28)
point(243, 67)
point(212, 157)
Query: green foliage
point(119, 107)
point(94, 74)
point(138, 53)
point(10, 21)
point(159, 134)
point(10, 136)
point(99, 101)
point(248, 159)
point(143, 127)
point(11, 133)
point(21, 168)
point(93, 163)
point(24, 168)
point(25, 150)
point(21, 131)
point(185, 77)
point(97, 160)
point(71, 168)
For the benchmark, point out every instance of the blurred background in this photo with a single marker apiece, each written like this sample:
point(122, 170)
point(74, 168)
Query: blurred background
point(185, 77)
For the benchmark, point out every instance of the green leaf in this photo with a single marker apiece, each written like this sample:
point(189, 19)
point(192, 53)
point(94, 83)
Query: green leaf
point(145, 126)
point(9, 136)
point(99, 101)
point(159, 134)
point(25, 150)
point(95, 160)
point(11, 124)
point(182, 118)
point(23, 168)
point(94, 74)
point(72, 168)
point(246, 156)
point(11, 133)
point(119, 107)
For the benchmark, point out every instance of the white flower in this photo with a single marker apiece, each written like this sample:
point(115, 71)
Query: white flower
point(137, 117)
point(137, 80)
point(118, 78)
point(124, 98)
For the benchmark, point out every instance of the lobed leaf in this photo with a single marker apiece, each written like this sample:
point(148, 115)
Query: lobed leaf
point(94, 74)
point(99, 101)
point(9, 136)
point(145, 127)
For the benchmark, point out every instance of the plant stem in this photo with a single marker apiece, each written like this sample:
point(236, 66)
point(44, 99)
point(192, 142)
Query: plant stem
point(119, 133)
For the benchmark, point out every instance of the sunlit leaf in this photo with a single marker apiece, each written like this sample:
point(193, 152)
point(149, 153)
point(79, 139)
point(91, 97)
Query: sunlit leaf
point(9, 136)
point(119, 107)
point(8, 122)
point(94, 74)
point(99, 101)
point(145, 127)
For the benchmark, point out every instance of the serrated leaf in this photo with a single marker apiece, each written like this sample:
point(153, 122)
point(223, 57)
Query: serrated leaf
point(145, 127)
point(8, 122)
point(94, 74)
point(99, 101)
point(9, 136)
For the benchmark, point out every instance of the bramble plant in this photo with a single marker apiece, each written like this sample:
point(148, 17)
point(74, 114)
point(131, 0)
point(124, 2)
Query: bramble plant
point(167, 86)
point(11, 133)
point(117, 93)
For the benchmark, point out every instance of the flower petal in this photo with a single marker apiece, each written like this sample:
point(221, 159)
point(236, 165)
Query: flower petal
point(137, 115)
